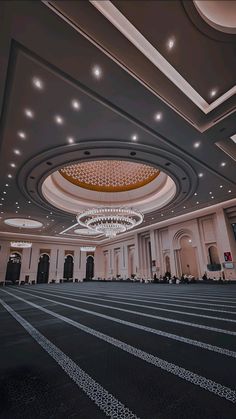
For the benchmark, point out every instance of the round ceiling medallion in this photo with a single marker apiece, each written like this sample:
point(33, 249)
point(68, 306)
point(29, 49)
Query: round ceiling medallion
point(22, 223)
point(109, 175)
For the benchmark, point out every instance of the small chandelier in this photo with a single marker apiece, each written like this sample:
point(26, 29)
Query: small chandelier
point(88, 248)
point(110, 221)
point(21, 245)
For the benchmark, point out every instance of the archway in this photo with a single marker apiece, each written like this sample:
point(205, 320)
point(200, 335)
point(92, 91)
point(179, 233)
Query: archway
point(188, 258)
point(13, 268)
point(68, 267)
point(213, 255)
point(43, 269)
point(89, 268)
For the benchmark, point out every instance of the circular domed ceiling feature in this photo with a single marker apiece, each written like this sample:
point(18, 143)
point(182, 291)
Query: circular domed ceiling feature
point(221, 15)
point(22, 223)
point(109, 175)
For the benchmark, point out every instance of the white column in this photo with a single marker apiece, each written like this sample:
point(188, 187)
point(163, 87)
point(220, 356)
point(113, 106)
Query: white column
point(4, 256)
point(33, 263)
point(25, 260)
point(77, 255)
point(58, 259)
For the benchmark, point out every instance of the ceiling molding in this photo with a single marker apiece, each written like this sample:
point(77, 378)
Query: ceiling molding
point(143, 45)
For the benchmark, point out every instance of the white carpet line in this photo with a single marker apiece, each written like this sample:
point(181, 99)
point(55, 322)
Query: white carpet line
point(201, 381)
point(141, 300)
point(180, 299)
point(142, 289)
point(185, 313)
point(147, 329)
point(106, 402)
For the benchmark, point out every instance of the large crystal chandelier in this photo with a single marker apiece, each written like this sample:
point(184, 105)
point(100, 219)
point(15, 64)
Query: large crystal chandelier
point(110, 221)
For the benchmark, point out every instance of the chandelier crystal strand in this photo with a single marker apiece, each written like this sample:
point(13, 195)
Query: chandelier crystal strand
point(110, 221)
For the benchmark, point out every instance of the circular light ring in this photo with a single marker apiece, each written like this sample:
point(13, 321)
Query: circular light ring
point(109, 175)
point(21, 245)
point(88, 248)
point(23, 223)
point(110, 221)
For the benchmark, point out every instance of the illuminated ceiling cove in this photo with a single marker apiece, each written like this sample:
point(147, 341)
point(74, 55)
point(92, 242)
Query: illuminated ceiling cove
point(109, 175)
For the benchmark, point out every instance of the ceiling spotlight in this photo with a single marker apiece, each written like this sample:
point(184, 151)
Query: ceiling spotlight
point(158, 116)
point(9, 176)
point(75, 104)
point(212, 197)
point(37, 83)
point(12, 165)
point(2, 199)
point(197, 202)
point(134, 137)
point(22, 135)
point(229, 191)
point(4, 192)
point(184, 207)
point(70, 140)
point(162, 215)
point(172, 210)
point(200, 174)
point(170, 43)
point(59, 120)
point(210, 193)
point(190, 241)
point(213, 92)
point(51, 213)
point(7, 184)
point(17, 152)
point(223, 164)
point(29, 113)
point(97, 72)
point(195, 193)
point(29, 202)
point(197, 144)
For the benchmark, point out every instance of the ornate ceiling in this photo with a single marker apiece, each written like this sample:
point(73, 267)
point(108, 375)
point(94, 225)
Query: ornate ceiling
point(145, 83)
point(109, 175)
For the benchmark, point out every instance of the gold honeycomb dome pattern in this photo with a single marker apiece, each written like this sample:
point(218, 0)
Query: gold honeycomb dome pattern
point(109, 175)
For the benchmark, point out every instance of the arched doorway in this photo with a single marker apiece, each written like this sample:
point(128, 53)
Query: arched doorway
point(213, 255)
point(13, 268)
point(188, 257)
point(89, 268)
point(68, 267)
point(43, 269)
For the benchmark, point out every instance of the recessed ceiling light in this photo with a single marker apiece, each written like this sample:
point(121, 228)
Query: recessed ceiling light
point(17, 152)
point(75, 104)
point(152, 218)
point(213, 92)
point(97, 72)
point(6, 184)
point(29, 113)
point(212, 197)
point(16, 212)
point(58, 119)
point(197, 144)
point(16, 203)
point(22, 135)
point(4, 192)
point(70, 140)
point(134, 137)
point(162, 215)
point(29, 202)
point(200, 174)
point(223, 164)
point(197, 202)
point(221, 186)
point(172, 210)
point(229, 191)
point(195, 193)
point(9, 176)
point(18, 207)
point(210, 193)
point(51, 213)
point(158, 116)
point(184, 207)
point(170, 43)
point(37, 83)
point(2, 199)
point(190, 241)
point(12, 165)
